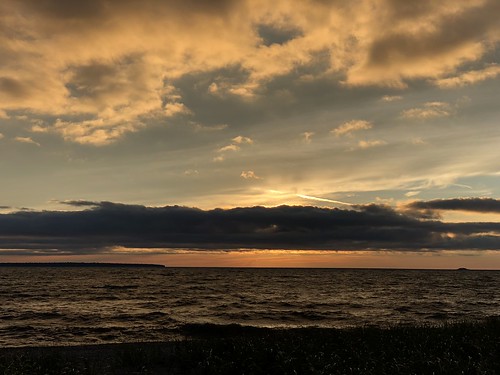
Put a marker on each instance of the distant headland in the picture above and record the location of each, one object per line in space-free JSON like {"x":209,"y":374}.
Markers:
{"x":82,"y":264}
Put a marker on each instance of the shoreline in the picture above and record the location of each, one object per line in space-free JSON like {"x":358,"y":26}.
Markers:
{"x":472,"y":347}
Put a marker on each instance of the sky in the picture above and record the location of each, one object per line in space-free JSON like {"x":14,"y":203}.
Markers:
{"x":301,"y":133}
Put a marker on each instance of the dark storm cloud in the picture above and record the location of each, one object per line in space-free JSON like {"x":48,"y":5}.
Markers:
{"x":486,"y":205}
{"x":107,"y":224}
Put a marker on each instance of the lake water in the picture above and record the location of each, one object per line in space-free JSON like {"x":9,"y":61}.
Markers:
{"x":70,"y":306}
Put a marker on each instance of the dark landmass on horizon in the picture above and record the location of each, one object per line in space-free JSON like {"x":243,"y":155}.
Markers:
{"x":152,"y":265}
{"x":82,"y":264}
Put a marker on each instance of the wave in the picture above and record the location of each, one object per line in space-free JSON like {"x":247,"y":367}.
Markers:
{"x":95,"y":305}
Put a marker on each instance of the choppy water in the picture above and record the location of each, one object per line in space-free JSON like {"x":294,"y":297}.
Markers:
{"x":49,"y":306}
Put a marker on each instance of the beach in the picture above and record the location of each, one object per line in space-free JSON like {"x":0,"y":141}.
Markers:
{"x":468,"y":348}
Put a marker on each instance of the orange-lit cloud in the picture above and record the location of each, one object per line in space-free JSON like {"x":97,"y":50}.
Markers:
{"x":236,"y":145}
{"x":102,"y":69}
{"x":250,"y":175}
{"x":428,"y":110}
{"x":469,"y":77}
{"x":349,"y":127}
{"x":230,"y":147}
{"x":26,"y":140}
{"x":242,"y":140}
{"x":371,"y":143}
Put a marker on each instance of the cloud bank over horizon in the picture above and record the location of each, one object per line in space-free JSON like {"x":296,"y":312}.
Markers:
{"x":484,"y":205}
{"x":102,"y":227}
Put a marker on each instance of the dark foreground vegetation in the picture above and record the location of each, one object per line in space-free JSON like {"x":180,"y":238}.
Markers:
{"x":465,"y":348}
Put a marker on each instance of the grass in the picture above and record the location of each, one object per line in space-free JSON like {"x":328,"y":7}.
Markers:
{"x":462,"y":348}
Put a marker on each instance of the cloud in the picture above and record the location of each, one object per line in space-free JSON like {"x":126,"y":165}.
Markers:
{"x":242,"y":140}
{"x":101,"y":226}
{"x":277,"y":34}
{"x":412,"y":193}
{"x":175,"y":109}
{"x":418,"y":141}
{"x":39,"y":129}
{"x":82,"y":203}
{"x":484,"y":205}
{"x":211,"y":128}
{"x":349,"y":127}
{"x":191,"y":172}
{"x":26,"y":140}
{"x":96,"y":132}
{"x":230,"y":147}
{"x":423,"y":41}
{"x":249,"y":175}
{"x":105,"y":67}
{"x":307,"y":137}
{"x":391,"y":98}
{"x":235,"y":146}
{"x":428,"y":111}
{"x":372,"y":143}
{"x":319,"y":199}
{"x":469,"y":77}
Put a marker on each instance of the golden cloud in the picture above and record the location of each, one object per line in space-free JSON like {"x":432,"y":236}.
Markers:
{"x":240,"y":140}
{"x":470,"y":77}
{"x":428,"y":110}
{"x":349,"y":127}
{"x":371,"y":143}
{"x":103,"y":67}
{"x":26,"y":140}
{"x":249,"y":175}
{"x":230,"y":147}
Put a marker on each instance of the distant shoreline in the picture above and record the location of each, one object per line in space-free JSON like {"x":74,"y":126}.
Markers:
{"x":152,"y":265}
{"x":81,"y":265}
